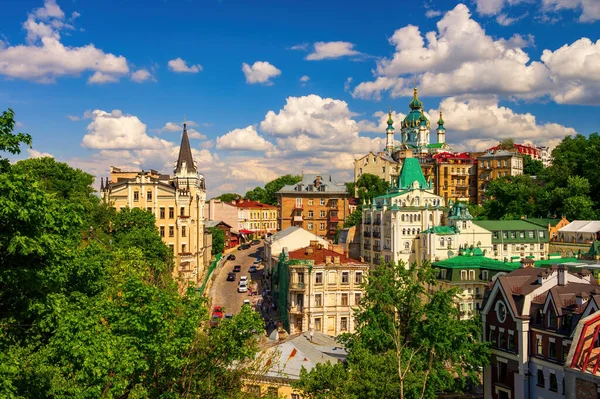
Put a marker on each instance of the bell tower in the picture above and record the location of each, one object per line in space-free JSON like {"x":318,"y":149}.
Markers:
{"x":389,"y":144}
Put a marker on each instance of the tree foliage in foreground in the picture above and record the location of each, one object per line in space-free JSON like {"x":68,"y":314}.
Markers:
{"x":409,"y":342}
{"x":98,"y":315}
{"x":218,"y":240}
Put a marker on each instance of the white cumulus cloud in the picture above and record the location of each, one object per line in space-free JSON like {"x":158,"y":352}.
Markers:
{"x":179,"y":65}
{"x":141,"y":75}
{"x":260,"y":72}
{"x":329,"y":50}
{"x":246,"y":139}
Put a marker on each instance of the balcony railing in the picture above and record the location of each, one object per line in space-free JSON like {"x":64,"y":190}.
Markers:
{"x":377,"y":234}
{"x":296,"y":309}
{"x":298,"y":218}
{"x":297,"y":286}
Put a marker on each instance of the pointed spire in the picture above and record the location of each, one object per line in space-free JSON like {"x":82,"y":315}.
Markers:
{"x":390,"y":121}
{"x":185,"y":153}
{"x":102,"y":184}
{"x":441,"y":121}
{"x":415,"y":103}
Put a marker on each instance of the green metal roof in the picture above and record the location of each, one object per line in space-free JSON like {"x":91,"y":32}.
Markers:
{"x":476,"y":262}
{"x":494,"y":225}
{"x":544,"y":222}
{"x":442,"y":230}
{"x":549,"y":262}
{"x":436,"y":145}
{"x":411,"y":172}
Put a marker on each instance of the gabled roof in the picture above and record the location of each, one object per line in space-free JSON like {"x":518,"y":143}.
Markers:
{"x":291,"y":230}
{"x":476,"y":262}
{"x":246,"y":203}
{"x":544,"y":222}
{"x":318,"y":255}
{"x":440,"y":230}
{"x":214,"y":223}
{"x":318,"y":183}
{"x":185,"y":154}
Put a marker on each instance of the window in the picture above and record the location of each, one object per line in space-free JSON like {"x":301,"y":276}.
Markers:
{"x":162,"y":231}
{"x":521,"y":234}
{"x":171,"y":231}
{"x":540,"y":379}
{"x":513,"y":234}
{"x":406,"y":245}
{"x":484,"y":275}
{"x":502,"y":340}
{"x":471,"y":274}
{"x":345,"y":277}
{"x":539,"y":345}
{"x":136,"y":195}
{"x":383,"y":169}
{"x":301,"y":277}
{"x":321,"y":226}
{"x":344,"y":324}
{"x":310,"y":226}
{"x":504,"y":234}
{"x":495,"y":234}
{"x":552,"y":349}
{"x":491,"y":337}
{"x":172,"y":247}
{"x":505,"y":247}
{"x":463,"y":274}
{"x":511,"y":341}
{"x":311,"y":214}
{"x":171,"y":212}
{"x":149,"y":196}
{"x":358,"y":278}
{"x":149,"y":209}
{"x":322,"y":201}
{"x":502,"y":371}
{"x":318,"y":300}
{"x":183,"y":231}
{"x":182,"y":211}
{"x":310,"y":202}
{"x":541,"y":246}
{"x":565,"y":352}
{"x":530,"y":234}
{"x":442,"y":241}
{"x":344,"y":299}
{"x":298,"y":202}
{"x":322,"y":214}
{"x":319,"y":278}
{"x":553,"y":382}
{"x":183,"y":248}
{"x":273,"y":392}
{"x":540,"y":234}
{"x":318,"y":323}
{"x":295,"y":396}
{"x":162,"y":213}
{"x":357,"y":298}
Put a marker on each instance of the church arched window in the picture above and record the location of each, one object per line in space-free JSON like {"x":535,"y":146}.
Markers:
{"x":402,"y":217}
{"x":406,"y":245}
{"x":442,"y":241}
{"x":403,"y":232}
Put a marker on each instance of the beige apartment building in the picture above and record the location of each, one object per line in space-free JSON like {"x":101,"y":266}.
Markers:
{"x":315,"y":204}
{"x":254,"y":217}
{"x":494,"y":165}
{"x":177,"y":203}
{"x":380,"y":164}
{"x":324,"y":286}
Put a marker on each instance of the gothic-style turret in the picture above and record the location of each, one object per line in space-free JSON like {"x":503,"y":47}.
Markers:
{"x":185,"y":161}
{"x":389,"y":146}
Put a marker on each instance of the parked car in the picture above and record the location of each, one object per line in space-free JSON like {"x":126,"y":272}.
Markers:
{"x":252,"y":269}
{"x":231,"y":257}
{"x":255,"y":242}
{"x":231,"y":276}
{"x":244,"y":246}
{"x":247,"y":302}
{"x":229,"y":316}
{"x":244,"y":279}
{"x":217,"y":316}
{"x":242,"y":287}
{"x":237,"y":268}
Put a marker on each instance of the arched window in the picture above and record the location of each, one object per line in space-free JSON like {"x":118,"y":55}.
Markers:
{"x":403,"y":217}
{"x":417,"y":201}
{"x":411,"y":218}
{"x":431,"y":217}
{"x":413,"y":231}
{"x":442,"y":241}
{"x":403,"y":232}
{"x":419,"y":217}
{"x":418,"y":231}
{"x":406,"y":245}
{"x":449,"y":241}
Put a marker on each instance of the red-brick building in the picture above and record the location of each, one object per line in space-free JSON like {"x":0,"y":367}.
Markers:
{"x":528,"y":317}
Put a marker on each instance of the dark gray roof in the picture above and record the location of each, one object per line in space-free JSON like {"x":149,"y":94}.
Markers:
{"x":309,"y":184}
{"x":214,"y":223}
{"x":185,"y":153}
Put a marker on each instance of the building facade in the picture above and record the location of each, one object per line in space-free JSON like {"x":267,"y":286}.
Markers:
{"x":380,"y":164}
{"x":292,"y":238}
{"x":513,"y":240}
{"x":493,"y":165}
{"x":230,"y":240}
{"x":177,"y":203}
{"x":315,"y":204}
{"x":216,"y":209}
{"x":456,"y":176}
{"x":322,"y":287}
{"x":528,"y":318}
{"x":392,"y":223}
{"x":256,"y":217}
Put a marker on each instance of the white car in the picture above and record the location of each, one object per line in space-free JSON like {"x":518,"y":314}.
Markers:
{"x":242,"y":287}
{"x":244,"y":279}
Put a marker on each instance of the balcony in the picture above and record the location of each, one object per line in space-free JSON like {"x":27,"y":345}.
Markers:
{"x":297,"y":218}
{"x":297,"y":286}
{"x":368,"y":221}
{"x":296,"y":309}
{"x":377,"y":234}
{"x":333,"y":218}
{"x":377,"y":248}
{"x":185,"y":254}
{"x":378,"y":221}
{"x":367,"y":234}
{"x":367,"y":246}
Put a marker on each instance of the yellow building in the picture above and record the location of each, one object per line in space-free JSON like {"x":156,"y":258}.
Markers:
{"x":256,"y":217}
{"x":177,"y":203}
{"x":492,"y":166}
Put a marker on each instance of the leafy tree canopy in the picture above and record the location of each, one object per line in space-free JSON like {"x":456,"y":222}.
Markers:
{"x":218,"y":240}
{"x":228,"y":197}
{"x":267,"y":194}
{"x":532,"y":167}
{"x":9,"y":141}
{"x":506,"y":144}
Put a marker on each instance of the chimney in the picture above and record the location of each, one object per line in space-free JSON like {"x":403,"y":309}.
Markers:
{"x":581,"y":298}
{"x":328,"y":260}
{"x":336,"y":260}
{"x":314,"y":243}
{"x":337,"y":248}
{"x":562,"y":278}
{"x":309,"y":250}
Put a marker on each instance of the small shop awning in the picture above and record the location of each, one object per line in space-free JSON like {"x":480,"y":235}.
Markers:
{"x":246,"y":231}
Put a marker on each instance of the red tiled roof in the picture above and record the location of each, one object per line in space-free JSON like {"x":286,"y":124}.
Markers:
{"x":319,"y":254}
{"x":251,"y":204}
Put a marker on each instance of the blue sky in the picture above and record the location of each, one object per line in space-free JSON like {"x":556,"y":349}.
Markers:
{"x":108,"y":83}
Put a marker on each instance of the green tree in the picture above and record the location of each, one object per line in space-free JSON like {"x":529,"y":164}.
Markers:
{"x":218,"y":240}
{"x":409,"y":342}
{"x":354,"y":219}
{"x":506,"y":144}
{"x":532,"y":167}
{"x":370,"y":186}
{"x":256,"y":194}
{"x":228,"y":197}
{"x":573,"y":201}
{"x":9,"y":141}
{"x":275,"y":185}
{"x":511,"y":197}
